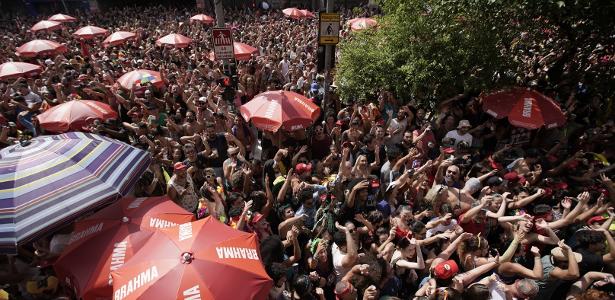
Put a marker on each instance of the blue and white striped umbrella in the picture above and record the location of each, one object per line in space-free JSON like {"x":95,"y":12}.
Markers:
{"x":54,"y":179}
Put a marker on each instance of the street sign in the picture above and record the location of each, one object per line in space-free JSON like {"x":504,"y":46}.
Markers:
{"x":223,"y":43}
{"x":329,"y":32}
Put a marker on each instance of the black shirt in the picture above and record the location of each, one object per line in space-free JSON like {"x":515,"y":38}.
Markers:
{"x":218,"y":143}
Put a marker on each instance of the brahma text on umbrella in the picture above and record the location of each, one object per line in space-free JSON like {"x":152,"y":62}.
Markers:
{"x":136,"y":203}
{"x":160,"y":223}
{"x":119,"y":255}
{"x":308,"y":107}
{"x":84,"y":233}
{"x":236,"y":252}
{"x":527,"y":107}
{"x":185,"y":231}
{"x":138,"y":281}
{"x":193,"y":293}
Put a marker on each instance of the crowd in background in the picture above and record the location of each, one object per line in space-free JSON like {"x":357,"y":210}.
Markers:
{"x":379,"y":199}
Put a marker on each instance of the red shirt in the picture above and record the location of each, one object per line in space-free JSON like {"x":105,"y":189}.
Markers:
{"x":471,"y":226}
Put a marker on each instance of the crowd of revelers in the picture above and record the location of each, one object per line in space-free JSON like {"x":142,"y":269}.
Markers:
{"x":379,"y":199}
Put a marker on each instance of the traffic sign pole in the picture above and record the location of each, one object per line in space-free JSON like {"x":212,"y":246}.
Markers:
{"x":328,"y":55}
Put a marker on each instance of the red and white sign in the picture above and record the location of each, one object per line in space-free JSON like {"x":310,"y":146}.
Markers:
{"x":223,"y":43}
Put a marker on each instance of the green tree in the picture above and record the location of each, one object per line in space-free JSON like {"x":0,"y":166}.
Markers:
{"x":431,"y":49}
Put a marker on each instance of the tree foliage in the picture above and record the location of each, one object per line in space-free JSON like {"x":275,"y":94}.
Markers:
{"x":431,"y":49}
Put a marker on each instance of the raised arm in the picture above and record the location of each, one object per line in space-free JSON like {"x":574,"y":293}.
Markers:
{"x":351,"y":247}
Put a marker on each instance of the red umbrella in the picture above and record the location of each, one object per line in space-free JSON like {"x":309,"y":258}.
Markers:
{"x":118,"y":38}
{"x":140,"y":77}
{"x":90,"y":32}
{"x":205,"y":19}
{"x":201,"y":260}
{"x":18,"y":69}
{"x":62,"y":18}
{"x":295,"y":13}
{"x":40,"y":48}
{"x":242,"y":52}
{"x":362,"y":23}
{"x":275,"y":109}
{"x":175,"y":40}
{"x":46,"y":25}
{"x":107,"y":239}
{"x":75,"y":115}
{"x":524,"y":108}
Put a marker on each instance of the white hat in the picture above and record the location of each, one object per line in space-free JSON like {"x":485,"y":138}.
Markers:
{"x":464,"y":123}
{"x":49,"y":62}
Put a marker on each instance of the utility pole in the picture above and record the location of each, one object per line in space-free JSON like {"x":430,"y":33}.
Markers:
{"x":328,"y":54}
{"x":219,"y":9}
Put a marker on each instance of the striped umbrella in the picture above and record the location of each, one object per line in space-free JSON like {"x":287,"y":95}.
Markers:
{"x":55,"y":179}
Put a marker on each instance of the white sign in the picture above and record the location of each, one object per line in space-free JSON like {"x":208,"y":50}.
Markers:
{"x":223,"y":43}
{"x":329,"y":33}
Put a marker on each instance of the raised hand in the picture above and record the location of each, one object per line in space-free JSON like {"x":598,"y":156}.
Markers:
{"x":535,"y":251}
{"x":566,"y":203}
{"x":583,"y":197}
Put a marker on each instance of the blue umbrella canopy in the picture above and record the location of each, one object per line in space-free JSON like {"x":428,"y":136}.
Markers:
{"x":54,"y":179}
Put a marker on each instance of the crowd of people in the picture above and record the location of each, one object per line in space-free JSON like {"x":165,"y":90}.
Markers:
{"x":379,"y":199}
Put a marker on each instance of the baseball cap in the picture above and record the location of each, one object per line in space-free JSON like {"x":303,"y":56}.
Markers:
{"x":464,"y":123}
{"x":178,"y":166}
{"x":494,"y":181}
{"x":384,"y":207}
{"x":448,"y":150}
{"x":314,"y":87}
{"x":596,"y":219}
{"x":257,"y":217}
{"x":303,"y":168}
{"x":446,"y":270}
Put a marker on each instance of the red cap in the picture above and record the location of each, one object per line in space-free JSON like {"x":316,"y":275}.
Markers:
{"x":446,"y":269}
{"x":449,"y":150}
{"x":303,"y":168}
{"x":511,"y":176}
{"x":596,"y":219}
{"x":178,"y":166}
{"x":257,"y":217}
{"x":374,"y":183}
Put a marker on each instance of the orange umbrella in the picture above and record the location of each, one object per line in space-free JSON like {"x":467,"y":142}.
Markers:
{"x":62,"y":18}
{"x":40,"y":48}
{"x":75,"y":115}
{"x":200,"y":260}
{"x":103,"y":242}
{"x":358,"y":24}
{"x":174,"y":40}
{"x":242,"y":51}
{"x":90,"y":32}
{"x":274,"y":109}
{"x":139,"y":78}
{"x":46,"y":25}
{"x":205,"y":19}
{"x":18,"y":69}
